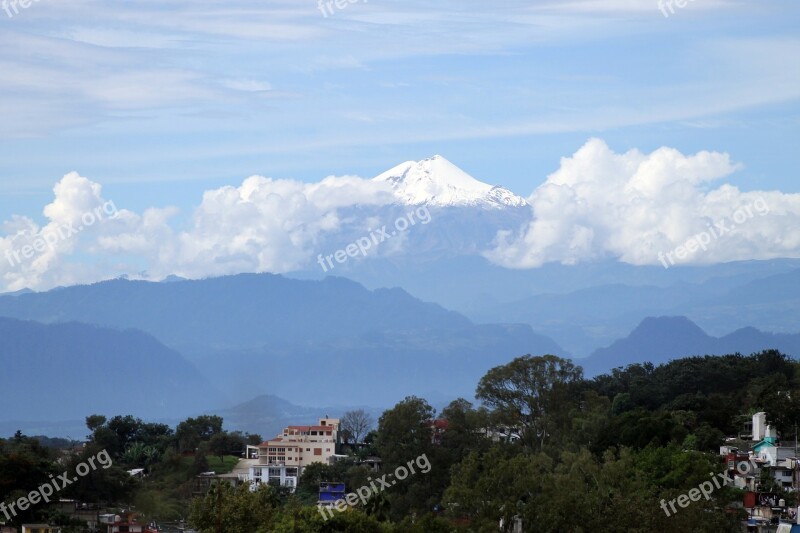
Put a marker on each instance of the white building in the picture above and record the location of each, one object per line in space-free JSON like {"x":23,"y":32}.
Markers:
{"x":759,"y":426}
{"x":282,"y":459}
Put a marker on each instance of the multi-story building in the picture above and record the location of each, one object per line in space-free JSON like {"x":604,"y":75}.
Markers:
{"x":281,"y":460}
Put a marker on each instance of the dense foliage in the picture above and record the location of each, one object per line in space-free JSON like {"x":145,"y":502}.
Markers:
{"x":547,"y":446}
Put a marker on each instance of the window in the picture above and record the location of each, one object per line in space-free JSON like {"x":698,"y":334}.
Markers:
{"x":317,"y":451}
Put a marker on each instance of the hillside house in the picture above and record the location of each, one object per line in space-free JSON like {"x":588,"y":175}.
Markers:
{"x":281,"y":460}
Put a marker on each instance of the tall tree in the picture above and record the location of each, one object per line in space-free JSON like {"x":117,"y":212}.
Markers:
{"x":530,"y":392}
{"x":404,"y":434}
{"x":356,"y":424}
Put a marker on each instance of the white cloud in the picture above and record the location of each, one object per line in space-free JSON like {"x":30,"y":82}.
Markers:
{"x":262,"y":225}
{"x":599,"y":204}
{"x":631,"y":206}
{"x":35,"y":256}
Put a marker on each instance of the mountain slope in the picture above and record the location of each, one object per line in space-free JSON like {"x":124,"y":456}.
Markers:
{"x":718,"y":298}
{"x":67,"y":371}
{"x":243,"y":311}
{"x":661,"y":339}
{"x":303,"y":340}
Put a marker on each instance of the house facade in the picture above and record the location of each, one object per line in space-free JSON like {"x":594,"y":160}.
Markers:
{"x":281,"y":460}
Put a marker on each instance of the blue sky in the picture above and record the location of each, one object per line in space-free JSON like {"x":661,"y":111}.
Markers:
{"x":159,"y":101}
{"x":167,"y":108}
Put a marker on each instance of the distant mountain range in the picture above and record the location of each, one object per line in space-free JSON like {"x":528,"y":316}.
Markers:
{"x":580,"y":306}
{"x":659,"y":340}
{"x":243,"y":311}
{"x":328,"y":342}
{"x":339,"y":337}
{"x":764,"y":295}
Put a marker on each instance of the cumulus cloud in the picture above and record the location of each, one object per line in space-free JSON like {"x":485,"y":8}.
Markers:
{"x":265,"y":224}
{"x":262,"y":225}
{"x":633,"y":207}
{"x":34,"y":255}
{"x":600,"y":204}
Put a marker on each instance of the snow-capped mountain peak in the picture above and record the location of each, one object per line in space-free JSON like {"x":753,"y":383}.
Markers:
{"x":438,"y":182}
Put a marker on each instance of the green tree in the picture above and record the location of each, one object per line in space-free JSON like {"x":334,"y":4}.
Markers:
{"x":192,"y":431}
{"x":199,"y":464}
{"x":496,"y":485}
{"x":223,"y":443}
{"x":404,"y":434}
{"x":532,"y":393}
{"x":238,"y":510}
{"x":24,"y":466}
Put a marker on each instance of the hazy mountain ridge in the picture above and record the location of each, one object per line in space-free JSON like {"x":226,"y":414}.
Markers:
{"x":92,"y":369}
{"x":247,"y":310}
{"x":254,"y":334}
{"x":660,"y":339}
{"x":585,"y":318}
